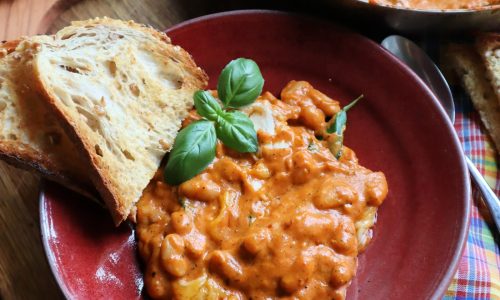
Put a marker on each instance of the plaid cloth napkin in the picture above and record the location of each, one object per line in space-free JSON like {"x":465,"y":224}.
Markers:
{"x":478,"y":274}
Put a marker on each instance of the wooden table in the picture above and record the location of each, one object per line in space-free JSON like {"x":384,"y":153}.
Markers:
{"x":24,"y":272}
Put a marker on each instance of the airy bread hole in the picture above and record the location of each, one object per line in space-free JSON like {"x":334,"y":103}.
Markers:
{"x":13,"y":137}
{"x":115,"y":36}
{"x":112,"y":67}
{"x":89,"y":119}
{"x":70,"y":69}
{"x":100,"y":111}
{"x":134,"y":89}
{"x":164,"y":145}
{"x":78,"y":100}
{"x":98,"y":150}
{"x":128,"y":155}
{"x":3,"y":105}
{"x":174,"y":80}
{"x":67,"y":36}
{"x":179,"y":83}
{"x":113,"y":148}
{"x":87,"y":34}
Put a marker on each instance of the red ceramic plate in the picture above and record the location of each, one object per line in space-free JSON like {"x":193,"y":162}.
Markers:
{"x":398,"y":128}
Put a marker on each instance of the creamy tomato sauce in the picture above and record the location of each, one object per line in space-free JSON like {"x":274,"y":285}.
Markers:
{"x":288,"y":221}
{"x":438,"y":4}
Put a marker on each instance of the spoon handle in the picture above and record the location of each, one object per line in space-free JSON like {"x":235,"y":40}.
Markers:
{"x":487,"y":193}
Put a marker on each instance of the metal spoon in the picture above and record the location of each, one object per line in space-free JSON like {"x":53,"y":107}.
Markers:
{"x":415,"y":58}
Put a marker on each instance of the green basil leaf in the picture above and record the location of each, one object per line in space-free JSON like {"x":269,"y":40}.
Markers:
{"x":251,"y":219}
{"x":240,"y":83}
{"x":338,"y":127}
{"x":348,"y":106}
{"x":340,"y":119}
{"x":193,"y":151}
{"x":236,"y":131}
{"x":206,"y":105}
{"x":312,"y":147}
{"x":339,"y":123}
{"x":182,"y":202}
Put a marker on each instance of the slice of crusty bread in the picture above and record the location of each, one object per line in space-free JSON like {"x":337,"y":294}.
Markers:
{"x":30,"y":137}
{"x":468,"y":66}
{"x":488,"y":46}
{"x":122,"y":90}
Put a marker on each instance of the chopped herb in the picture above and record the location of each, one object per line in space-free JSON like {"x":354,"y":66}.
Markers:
{"x":182,"y":202}
{"x":338,"y":127}
{"x":313,"y":147}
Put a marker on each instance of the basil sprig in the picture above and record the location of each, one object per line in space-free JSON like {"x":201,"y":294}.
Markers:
{"x":240,"y":83}
{"x":338,"y":127}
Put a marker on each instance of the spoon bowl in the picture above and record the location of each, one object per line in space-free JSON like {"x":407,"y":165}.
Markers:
{"x":415,"y":58}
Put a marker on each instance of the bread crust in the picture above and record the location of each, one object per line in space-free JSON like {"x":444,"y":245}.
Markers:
{"x":200,"y":78}
{"x":20,"y":145}
{"x":103,"y":172}
{"x":488,"y":46}
{"x":31,"y":160}
{"x":467,"y":64}
{"x":99,"y":179}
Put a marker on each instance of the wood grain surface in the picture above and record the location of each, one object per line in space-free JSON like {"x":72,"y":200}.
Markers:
{"x":22,"y":17}
{"x":24,"y":272}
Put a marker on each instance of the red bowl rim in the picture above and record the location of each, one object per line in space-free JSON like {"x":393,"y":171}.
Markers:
{"x":445,"y":282}
{"x":44,"y":232}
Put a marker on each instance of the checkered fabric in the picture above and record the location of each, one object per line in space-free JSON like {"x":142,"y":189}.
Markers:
{"x":478,"y":274}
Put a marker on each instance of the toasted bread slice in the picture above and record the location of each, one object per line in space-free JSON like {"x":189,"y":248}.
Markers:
{"x":468,"y":66}
{"x":488,"y":46}
{"x":30,"y":136}
{"x":122,"y":90}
